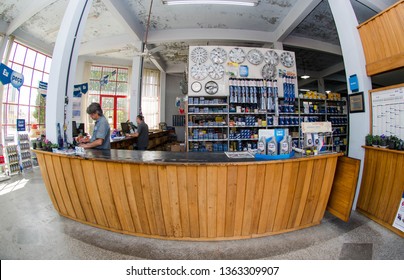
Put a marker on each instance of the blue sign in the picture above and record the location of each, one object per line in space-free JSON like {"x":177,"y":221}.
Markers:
{"x":80,"y":89}
{"x":20,"y":124}
{"x":43,"y":88}
{"x":7,"y":75}
{"x":353,"y":83}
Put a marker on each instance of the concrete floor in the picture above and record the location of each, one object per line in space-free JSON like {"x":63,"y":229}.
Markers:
{"x":30,"y":228}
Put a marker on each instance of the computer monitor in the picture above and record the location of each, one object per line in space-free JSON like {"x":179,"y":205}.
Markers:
{"x":125,"y":127}
{"x":77,"y":130}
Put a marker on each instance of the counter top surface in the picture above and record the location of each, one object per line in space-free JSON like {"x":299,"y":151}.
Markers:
{"x":159,"y":157}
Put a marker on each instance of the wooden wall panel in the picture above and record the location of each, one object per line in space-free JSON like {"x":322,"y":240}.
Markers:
{"x":115,"y":171}
{"x":383,"y":40}
{"x":130,"y":193}
{"x":55,"y":185}
{"x":45,"y":177}
{"x":382,"y":186}
{"x":198,"y":202}
{"x":211,"y":194}
{"x":221,"y":200}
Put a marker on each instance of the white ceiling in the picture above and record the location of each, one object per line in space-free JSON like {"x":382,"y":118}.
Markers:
{"x":114,"y":28}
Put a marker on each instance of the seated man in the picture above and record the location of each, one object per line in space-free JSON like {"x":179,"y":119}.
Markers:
{"x":142,"y":133}
{"x":101,"y":135}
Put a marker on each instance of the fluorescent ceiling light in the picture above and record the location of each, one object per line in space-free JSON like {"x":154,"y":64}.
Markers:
{"x":305,"y":77}
{"x":250,"y":3}
{"x":303,"y":89}
{"x":327,"y":91}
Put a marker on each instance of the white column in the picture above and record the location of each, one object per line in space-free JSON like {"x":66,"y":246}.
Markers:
{"x":64,"y":61}
{"x":163,"y":78}
{"x":7,"y":43}
{"x":134,"y":103}
{"x":3,"y":45}
{"x":355,"y":63}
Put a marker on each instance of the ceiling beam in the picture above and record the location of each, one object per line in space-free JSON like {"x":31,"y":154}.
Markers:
{"x":332,"y":70}
{"x":336,"y":78}
{"x":27,"y":13}
{"x":158,"y":64}
{"x":198,"y":34}
{"x":376,"y":5}
{"x":3,"y":27}
{"x":295,"y":16}
{"x":302,"y":83}
{"x":33,"y":42}
{"x":106,"y":43}
{"x":306,"y":43}
{"x":124,"y":16}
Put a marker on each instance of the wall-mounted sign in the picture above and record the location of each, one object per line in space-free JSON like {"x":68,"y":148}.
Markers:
{"x":80,"y":89}
{"x":43,"y":88}
{"x":356,"y":103}
{"x":20,"y":124}
{"x":353,"y":83}
{"x":7,"y":75}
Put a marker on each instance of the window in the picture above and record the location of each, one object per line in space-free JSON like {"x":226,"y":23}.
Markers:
{"x":27,"y":103}
{"x":151,"y":97}
{"x":111,"y":93}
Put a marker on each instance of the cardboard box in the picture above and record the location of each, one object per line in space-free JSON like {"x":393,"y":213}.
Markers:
{"x":175,"y":148}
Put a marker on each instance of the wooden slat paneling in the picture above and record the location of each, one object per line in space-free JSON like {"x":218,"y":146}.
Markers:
{"x":115,"y":171}
{"x":183,"y":198}
{"x":203,"y":202}
{"x":165,"y":199}
{"x":45,"y":176}
{"x":240,"y":199}
{"x":314,"y":192}
{"x":249,"y":199}
{"x":105,"y":192}
{"x":54,"y":183}
{"x":154,"y":181}
{"x":258,"y":199}
{"x":344,"y":188}
{"x":192,"y":187}
{"x":231,"y":198}
{"x":383,"y":40}
{"x":130,"y":193}
{"x":211,"y":191}
{"x":139,"y":197}
{"x":81,"y":188}
{"x":72,"y":189}
{"x":174,"y":200}
{"x":221,"y":200}
{"x":93,"y":194}
{"x":147,"y":198}
{"x":380,"y":193}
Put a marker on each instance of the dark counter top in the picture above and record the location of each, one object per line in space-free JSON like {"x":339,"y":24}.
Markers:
{"x":159,"y":157}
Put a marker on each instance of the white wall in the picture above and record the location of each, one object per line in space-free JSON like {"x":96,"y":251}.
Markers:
{"x":173,"y":91}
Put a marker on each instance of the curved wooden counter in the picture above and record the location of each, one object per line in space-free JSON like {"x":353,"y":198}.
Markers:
{"x":158,"y":194}
{"x":382,"y":186}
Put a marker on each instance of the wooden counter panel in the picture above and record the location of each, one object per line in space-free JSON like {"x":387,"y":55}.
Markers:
{"x":192,"y":202}
{"x":382,"y":185}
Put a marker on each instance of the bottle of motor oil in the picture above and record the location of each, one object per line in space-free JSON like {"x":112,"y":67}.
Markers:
{"x":272,"y":146}
{"x":284,"y":146}
{"x":261,"y":146}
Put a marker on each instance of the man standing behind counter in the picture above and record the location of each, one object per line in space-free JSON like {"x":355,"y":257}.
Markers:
{"x":100,"y":139}
{"x":142,"y":133}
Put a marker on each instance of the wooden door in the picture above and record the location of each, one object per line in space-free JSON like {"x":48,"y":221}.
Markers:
{"x":344,"y":188}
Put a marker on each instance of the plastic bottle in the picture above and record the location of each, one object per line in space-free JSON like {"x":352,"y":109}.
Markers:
{"x":284,"y":146}
{"x":261,"y":147}
{"x":272,"y":146}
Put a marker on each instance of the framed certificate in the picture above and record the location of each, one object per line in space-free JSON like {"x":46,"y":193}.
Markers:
{"x":356,"y":103}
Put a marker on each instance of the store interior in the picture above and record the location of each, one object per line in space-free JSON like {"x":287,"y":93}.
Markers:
{"x":148,"y":57}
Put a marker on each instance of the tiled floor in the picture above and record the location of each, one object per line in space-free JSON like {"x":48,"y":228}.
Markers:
{"x":30,"y":228}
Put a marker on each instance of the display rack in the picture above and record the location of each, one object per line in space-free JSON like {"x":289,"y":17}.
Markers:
{"x":239,"y":122}
{"x":12,"y":160}
{"x":24,"y":150}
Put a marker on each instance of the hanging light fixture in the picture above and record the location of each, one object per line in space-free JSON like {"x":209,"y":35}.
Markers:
{"x":250,"y":3}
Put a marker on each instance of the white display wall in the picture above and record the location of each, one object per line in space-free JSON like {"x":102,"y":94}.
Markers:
{"x":217,"y":64}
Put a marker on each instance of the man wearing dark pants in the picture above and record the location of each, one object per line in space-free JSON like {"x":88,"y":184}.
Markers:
{"x":142,"y":133}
